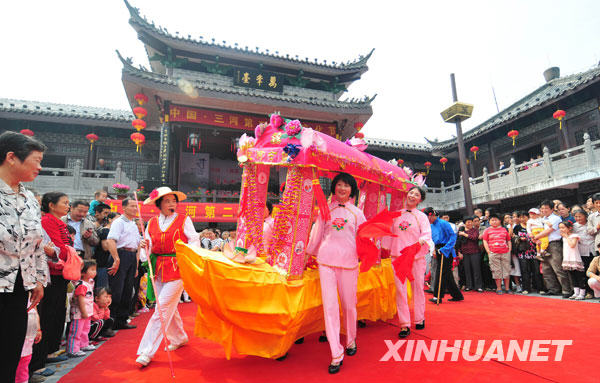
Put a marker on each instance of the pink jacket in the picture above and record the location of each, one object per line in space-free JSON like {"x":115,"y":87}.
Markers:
{"x":334,"y":241}
{"x":410,"y":227}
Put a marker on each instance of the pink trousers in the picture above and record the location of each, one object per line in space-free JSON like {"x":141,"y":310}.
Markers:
{"x":418,"y":295}
{"x":336,"y":280}
{"x":23,"y":369}
{"x":78,"y":335}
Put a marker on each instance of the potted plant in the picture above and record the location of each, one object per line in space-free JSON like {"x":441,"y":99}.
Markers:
{"x":141,"y":193}
{"x":121,"y":190}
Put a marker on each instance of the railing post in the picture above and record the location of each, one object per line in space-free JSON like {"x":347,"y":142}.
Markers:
{"x":513,"y":171}
{"x":118,"y":173}
{"x":589,"y":152}
{"x":76,"y":175}
{"x":486,"y":179}
{"x":548,"y":162}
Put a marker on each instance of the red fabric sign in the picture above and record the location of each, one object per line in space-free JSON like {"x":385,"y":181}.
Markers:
{"x":179,"y":113}
{"x":198,"y":212}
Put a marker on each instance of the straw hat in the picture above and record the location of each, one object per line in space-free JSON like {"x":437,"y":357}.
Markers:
{"x":161,"y":192}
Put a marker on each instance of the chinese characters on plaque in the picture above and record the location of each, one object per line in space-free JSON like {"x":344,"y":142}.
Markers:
{"x":258,"y":79}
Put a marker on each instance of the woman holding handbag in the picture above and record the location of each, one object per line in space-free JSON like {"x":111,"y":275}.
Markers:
{"x":52,"y":309}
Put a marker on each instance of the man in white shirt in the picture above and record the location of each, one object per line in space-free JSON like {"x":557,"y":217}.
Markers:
{"x":124,"y":241}
{"x":556,"y":279}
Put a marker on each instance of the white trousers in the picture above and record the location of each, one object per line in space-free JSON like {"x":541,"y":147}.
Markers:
{"x":335,"y":280}
{"x":418,"y":295}
{"x":168,"y":295}
{"x":594,"y":285}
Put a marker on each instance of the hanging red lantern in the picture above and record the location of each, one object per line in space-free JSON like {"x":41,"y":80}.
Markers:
{"x":427,"y":166}
{"x":443,"y":161}
{"x":27,"y":132}
{"x":140,"y":112}
{"x":559,"y":115}
{"x":400,"y":162}
{"x":138,"y":124}
{"x":91,"y":138}
{"x":474,"y":150}
{"x":358,"y":126}
{"x":194,"y":140}
{"x":513,"y":134}
{"x":138,"y":139}
{"x":141,"y":98}
{"x":359,"y":135}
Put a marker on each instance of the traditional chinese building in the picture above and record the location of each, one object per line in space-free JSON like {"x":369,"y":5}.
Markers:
{"x":203,"y":95}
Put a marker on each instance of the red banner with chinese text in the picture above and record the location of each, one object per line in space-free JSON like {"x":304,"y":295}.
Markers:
{"x":198,"y":212}
{"x":179,"y":113}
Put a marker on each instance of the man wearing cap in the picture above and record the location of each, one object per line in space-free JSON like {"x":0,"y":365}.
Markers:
{"x":162,"y":233}
{"x":444,"y":239}
{"x":123,"y":243}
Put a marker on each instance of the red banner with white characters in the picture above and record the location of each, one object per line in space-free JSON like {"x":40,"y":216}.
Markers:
{"x":179,"y":113}
{"x":198,"y":212}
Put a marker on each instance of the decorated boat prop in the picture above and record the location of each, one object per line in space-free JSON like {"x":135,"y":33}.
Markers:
{"x":258,"y":299}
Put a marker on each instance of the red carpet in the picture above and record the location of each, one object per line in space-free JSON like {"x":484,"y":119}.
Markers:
{"x":480,"y":317}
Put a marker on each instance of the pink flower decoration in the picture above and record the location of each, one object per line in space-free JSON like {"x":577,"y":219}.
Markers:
{"x":276,"y":120}
{"x":154,"y":194}
{"x":293,"y":127}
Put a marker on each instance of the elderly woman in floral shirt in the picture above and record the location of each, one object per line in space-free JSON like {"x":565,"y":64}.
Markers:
{"x":23,"y":268}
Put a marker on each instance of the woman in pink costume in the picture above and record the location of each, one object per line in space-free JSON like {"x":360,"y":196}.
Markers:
{"x":334,"y":243}
{"x":411,"y":227}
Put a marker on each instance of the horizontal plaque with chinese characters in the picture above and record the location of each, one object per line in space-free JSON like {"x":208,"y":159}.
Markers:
{"x":258,"y":79}
{"x":197,"y":211}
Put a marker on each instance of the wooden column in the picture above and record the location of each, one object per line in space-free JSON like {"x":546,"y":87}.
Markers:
{"x":494,"y":162}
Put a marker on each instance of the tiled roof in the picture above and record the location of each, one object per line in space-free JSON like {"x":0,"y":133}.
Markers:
{"x":354,"y":66}
{"x":401,"y":145}
{"x":204,"y":86}
{"x":50,"y":109}
{"x":544,"y":95}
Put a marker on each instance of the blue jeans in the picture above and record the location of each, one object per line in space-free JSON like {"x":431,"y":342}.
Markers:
{"x":101,"y":277}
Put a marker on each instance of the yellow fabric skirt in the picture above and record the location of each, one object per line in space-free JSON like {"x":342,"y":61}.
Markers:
{"x":254,"y":310}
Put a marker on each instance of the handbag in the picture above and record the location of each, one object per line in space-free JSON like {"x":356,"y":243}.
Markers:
{"x":72,"y":266}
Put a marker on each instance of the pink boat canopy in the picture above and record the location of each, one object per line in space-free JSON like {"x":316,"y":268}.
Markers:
{"x":289,"y":144}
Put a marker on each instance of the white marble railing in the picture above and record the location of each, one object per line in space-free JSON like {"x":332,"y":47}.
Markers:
{"x":79,"y":183}
{"x":561,"y":169}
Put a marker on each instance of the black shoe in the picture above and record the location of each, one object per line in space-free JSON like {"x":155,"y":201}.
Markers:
{"x":323,"y":338}
{"x":434,"y":300}
{"x":456,"y":299}
{"x":566,"y":296}
{"x":479,"y":290}
{"x":334,"y":369}
{"x":404,"y":333}
{"x":299,"y":341}
{"x":124,"y":326}
{"x":282,"y":357}
{"x":361,"y":323}
{"x":429,"y":291}
{"x":351,"y":351}
{"x":420,"y":326}
{"x":108,"y":333}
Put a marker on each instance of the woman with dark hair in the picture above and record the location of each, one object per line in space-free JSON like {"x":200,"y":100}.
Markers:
{"x":162,"y":232}
{"x":23,"y":269}
{"x":53,"y":307}
{"x":410,"y":228}
{"x":334,"y":244}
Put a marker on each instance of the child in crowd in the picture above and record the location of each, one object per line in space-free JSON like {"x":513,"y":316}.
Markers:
{"x":99,"y":197}
{"x":33,"y":335}
{"x":496,"y":241}
{"x":82,"y":308}
{"x":534,"y":227}
{"x":572,"y":260}
{"x":526,"y":251}
{"x":585,"y":244}
{"x":101,"y":323}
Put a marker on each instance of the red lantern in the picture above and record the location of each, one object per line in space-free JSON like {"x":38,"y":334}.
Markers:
{"x":138,"y":124}
{"x":141,"y":98}
{"x":138,"y":139}
{"x":443,"y":161}
{"x":194,"y":140}
{"x":400,"y":162}
{"x":27,"y":132}
{"x":513,"y":134}
{"x":140,"y":112}
{"x":559,"y":115}
{"x":359,"y":135}
{"x":474,"y":150}
{"x":427,"y":166}
{"x":358,"y":126}
{"x":92,"y":138}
